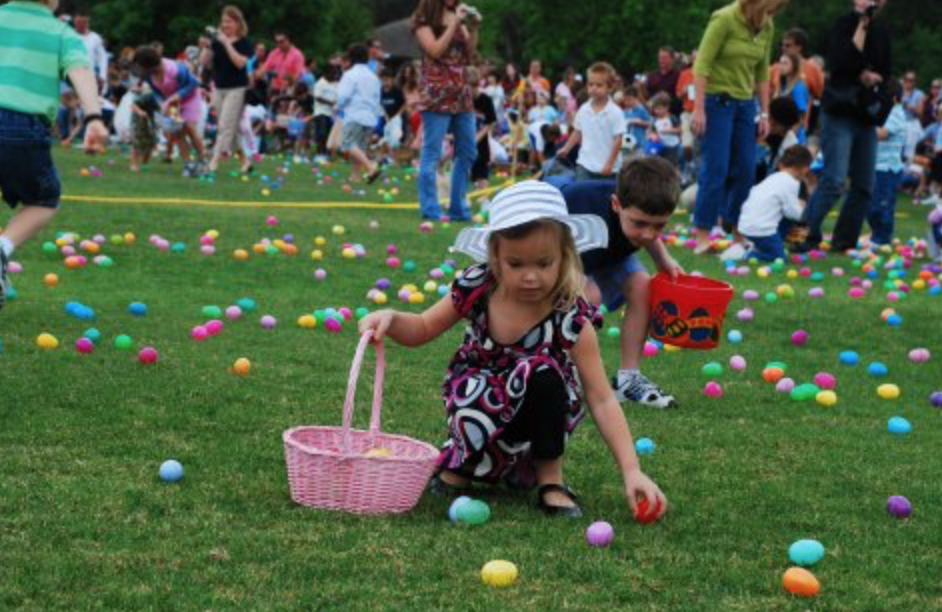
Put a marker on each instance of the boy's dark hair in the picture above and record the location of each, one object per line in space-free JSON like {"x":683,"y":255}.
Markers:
{"x":146,"y":59}
{"x":661,"y":100}
{"x":799,"y":37}
{"x":387,"y":73}
{"x":632,"y":90}
{"x":784,"y":111}
{"x":796,"y":156}
{"x":650,"y":184}
{"x":358,"y":54}
{"x":894,"y":89}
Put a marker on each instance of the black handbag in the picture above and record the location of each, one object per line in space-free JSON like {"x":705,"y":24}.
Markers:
{"x":872,"y":105}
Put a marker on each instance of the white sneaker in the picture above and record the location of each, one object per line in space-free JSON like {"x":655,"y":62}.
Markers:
{"x":932,"y":200}
{"x":735,"y":252}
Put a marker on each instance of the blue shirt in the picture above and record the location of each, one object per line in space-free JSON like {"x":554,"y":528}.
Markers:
{"x":358,"y":96}
{"x":802,"y":99}
{"x":890,"y":151}
{"x":640,"y":133}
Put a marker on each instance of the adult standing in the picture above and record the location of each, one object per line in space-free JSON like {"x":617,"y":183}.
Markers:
{"x":229,"y":55}
{"x":859,"y":61}
{"x":732,"y":67}
{"x":447,"y":35}
{"x":795,"y":41}
{"x":664,"y":79}
{"x":284,"y":65}
{"x":97,"y":54}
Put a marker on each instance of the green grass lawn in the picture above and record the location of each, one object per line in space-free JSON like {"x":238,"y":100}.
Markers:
{"x":86,"y":524}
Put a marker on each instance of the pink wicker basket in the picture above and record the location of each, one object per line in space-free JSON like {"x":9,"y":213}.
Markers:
{"x":364,"y":472}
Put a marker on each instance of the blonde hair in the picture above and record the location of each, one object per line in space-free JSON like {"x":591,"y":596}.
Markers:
{"x":604,"y":69}
{"x":235,"y":13}
{"x":570,"y":282}
{"x":758,"y":12}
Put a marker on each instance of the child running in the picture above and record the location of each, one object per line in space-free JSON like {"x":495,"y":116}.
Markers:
{"x":512,"y":392}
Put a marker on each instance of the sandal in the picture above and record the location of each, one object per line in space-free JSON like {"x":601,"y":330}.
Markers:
{"x":440,"y":488}
{"x":373,"y":176}
{"x":573,"y":511}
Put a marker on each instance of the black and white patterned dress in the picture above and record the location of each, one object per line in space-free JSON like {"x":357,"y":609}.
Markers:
{"x":487,"y":381}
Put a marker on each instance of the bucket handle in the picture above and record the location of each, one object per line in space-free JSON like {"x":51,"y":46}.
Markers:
{"x":348,"y":405}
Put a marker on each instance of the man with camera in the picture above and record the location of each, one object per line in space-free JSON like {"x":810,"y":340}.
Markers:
{"x":855,"y":103}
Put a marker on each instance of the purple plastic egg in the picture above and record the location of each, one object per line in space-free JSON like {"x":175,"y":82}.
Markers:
{"x":800,"y":338}
{"x":899,"y":507}
{"x":745,"y":315}
{"x":600,"y":534}
{"x":383,"y":284}
{"x":936,"y":399}
{"x":269,"y":322}
{"x":333,"y":325}
{"x":816,"y":292}
{"x":737,"y":362}
{"x":750,"y":295}
{"x":785,"y":385}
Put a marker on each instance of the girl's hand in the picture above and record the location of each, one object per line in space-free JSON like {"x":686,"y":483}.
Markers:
{"x":670,"y":266}
{"x":379,"y":322}
{"x":698,"y":124}
{"x":638,"y":486}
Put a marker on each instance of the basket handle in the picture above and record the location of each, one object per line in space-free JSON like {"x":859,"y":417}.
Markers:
{"x":348,"y":405}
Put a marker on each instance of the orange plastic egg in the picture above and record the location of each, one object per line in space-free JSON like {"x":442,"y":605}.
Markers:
{"x":801,"y":582}
{"x":772,"y":375}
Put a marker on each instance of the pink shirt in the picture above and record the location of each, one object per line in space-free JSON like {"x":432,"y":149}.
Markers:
{"x":290,"y":64}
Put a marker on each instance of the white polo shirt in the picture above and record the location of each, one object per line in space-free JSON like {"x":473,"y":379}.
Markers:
{"x":599,"y":131}
{"x":769,"y":201}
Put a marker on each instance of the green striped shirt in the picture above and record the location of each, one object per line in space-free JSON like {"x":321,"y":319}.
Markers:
{"x":36,"y":52}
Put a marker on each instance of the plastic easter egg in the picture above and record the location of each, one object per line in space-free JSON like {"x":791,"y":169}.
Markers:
{"x":737,"y":363}
{"x":320,"y":274}
{"x":171,"y":471}
{"x":888,"y":392}
{"x":214,"y":327}
{"x":745,"y":315}
{"x":645,"y":514}
{"x":268,"y":322}
{"x":919,"y":355}
{"x":645,"y":446}
{"x":47,"y":341}
{"x":307,"y":322}
{"x":416,"y":298}
{"x":785,"y":385}
{"x":734,"y":336}
{"x":212,"y":312}
{"x":199,"y":333}
{"x":240,"y":255}
{"x":713,"y":389}
{"x":899,"y":506}
{"x":935,"y":398}
{"x":877,"y":369}
{"x":800,"y":338}
{"x":123,"y":342}
{"x":348,"y":253}
{"x":241,"y":367}
{"x":338,"y":230}
{"x":806,"y":552}
{"x":333,"y":326}
{"x":409,"y":266}
{"x":805,"y":392}
{"x":816,"y":293}
{"x":771,"y":297}
{"x":772,"y":374}
{"x":650,"y":349}
{"x":84,"y":346}
{"x":899,"y":426}
{"x":475,"y":512}
{"x":455,"y":505}
{"x":613,"y":332}
{"x":233,"y":313}
{"x":712,"y":370}
{"x":600,"y":534}
{"x":148,"y":355}
{"x":51,"y":280}
{"x":246,"y":304}
{"x":856,"y":293}
{"x":827,"y":399}
{"x":499,"y":573}
{"x":849,"y":358}
{"x":92,"y":334}
{"x":825,"y":381}
{"x":750,"y":295}
{"x":801,"y":582}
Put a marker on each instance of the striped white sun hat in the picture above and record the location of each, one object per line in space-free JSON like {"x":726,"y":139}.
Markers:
{"x":529,"y":201}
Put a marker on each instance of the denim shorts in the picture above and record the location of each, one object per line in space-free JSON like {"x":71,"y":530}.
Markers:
{"x":611,"y":280}
{"x":27,"y":173}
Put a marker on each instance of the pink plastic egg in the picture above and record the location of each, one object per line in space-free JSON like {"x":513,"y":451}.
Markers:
{"x":214,"y":327}
{"x":233,"y":313}
{"x":84,"y":346}
{"x":856,"y":292}
{"x":650,"y":349}
{"x":199,"y":333}
{"x":919,"y":355}
{"x":785,"y":385}
{"x":333,"y":325}
{"x":737,"y":362}
{"x":825,"y":381}
{"x":269,"y":322}
{"x":148,"y":355}
{"x":713,"y":389}
{"x":800,"y":338}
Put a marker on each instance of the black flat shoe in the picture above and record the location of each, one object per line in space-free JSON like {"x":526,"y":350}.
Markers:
{"x":573,"y":511}
{"x":440,"y":488}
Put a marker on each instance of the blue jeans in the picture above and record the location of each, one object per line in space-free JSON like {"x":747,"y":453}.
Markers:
{"x":849,"y":148}
{"x":883,"y":207}
{"x":435,"y":126}
{"x":728,"y":162}
{"x":767,"y":248}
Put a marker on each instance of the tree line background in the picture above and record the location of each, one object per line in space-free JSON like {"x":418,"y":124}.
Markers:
{"x":626,"y":33}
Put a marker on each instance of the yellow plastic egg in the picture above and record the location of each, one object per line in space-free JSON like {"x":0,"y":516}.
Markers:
{"x":919,"y":284}
{"x":258,"y":248}
{"x":348,"y":253}
{"x":266,"y":192}
{"x":826,"y":398}
{"x":279,"y":244}
{"x":792,"y":274}
{"x":51,"y":280}
{"x":338,"y":230}
{"x":762,"y":272}
{"x":379,"y":451}
{"x":410,"y":288}
{"x":307,"y":322}
{"x":430,"y":286}
{"x":130,"y":238}
{"x":320,"y":241}
{"x":47,"y":341}
{"x":214,"y":234}
{"x":499,"y":573}
{"x":381,"y":298}
{"x":670,"y":348}
{"x":240,"y":254}
{"x":785,"y":291}
{"x":888,"y":391}
{"x":417,"y":298}
{"x":317,"y":254}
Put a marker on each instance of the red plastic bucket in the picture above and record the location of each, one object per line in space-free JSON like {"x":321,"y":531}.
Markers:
{"x":688,"y":312}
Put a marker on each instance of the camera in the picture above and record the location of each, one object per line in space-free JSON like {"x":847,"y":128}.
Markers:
{"x":871,"y":11}
{"x":211,"y":31}
{"x":472,"y":13}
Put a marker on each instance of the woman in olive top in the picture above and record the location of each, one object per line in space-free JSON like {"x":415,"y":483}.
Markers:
{"x":732,"y":68}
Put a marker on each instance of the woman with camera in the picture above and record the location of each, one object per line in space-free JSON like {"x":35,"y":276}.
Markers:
{"x":854,"y":105}
{"x":447,"y":33}
{"x":228,"y":56}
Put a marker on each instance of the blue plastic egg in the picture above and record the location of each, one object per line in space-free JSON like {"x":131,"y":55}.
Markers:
{"x":645,"y":446}
{"x":92,"y":334}
{"x":171,"y":470}
{"x":899,"y":426}
{"x":455,"y":505}
{"x":849,"y":358}
{"x":247,"y":304}
{"x":734,"y":336}
{"x":806,"y":552}
{"x":138,"y":309}
{"x":894,"y":320}
{"x":878,"y":369}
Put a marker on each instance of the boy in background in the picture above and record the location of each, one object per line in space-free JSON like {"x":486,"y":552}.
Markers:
{"x":358,"y":99}
{"x":32,"y":36}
